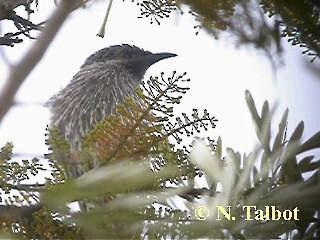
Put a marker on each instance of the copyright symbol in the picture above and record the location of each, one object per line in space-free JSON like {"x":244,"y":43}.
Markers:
{"x":201,"y":213}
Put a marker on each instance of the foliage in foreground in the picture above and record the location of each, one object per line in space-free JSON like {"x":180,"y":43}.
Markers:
{"x":246,"y":20}
{"x":133,"y":190}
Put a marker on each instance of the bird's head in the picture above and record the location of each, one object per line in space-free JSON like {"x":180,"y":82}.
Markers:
{"x":135,"y":59}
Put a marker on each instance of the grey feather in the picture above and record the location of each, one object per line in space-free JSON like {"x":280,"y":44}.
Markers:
{"x":105,"y":79}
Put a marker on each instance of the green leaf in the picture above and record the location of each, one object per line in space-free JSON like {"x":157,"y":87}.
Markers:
{"x":311,"y":143}
{"x":256,"y":176}
{"x":253,"y":110}
{"x":119,"y":178}
{"x":305,"y":165}
{"x":297,"y":133}
{"x":265,"y":131}
{"x":264,"y":165}
{"x":218,"y":151}
{"x":288,"y":154}
{"x":296,"y":194}
{"x":244,"y":178}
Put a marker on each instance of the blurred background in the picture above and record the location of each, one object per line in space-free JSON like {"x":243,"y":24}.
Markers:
{"x":219,"y":71}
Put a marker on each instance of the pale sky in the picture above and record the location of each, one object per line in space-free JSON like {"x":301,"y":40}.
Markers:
{"x":219,"y":72}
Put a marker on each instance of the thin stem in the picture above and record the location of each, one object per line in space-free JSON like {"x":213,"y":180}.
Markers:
{"x":102,"y":30}
{"x":20,"y":71}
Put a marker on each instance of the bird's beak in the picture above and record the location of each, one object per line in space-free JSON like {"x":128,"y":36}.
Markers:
{"x":160,"y":56}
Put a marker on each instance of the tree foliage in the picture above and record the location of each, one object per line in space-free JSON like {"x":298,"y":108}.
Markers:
{"x":131,"y":195}
{"x":137,"y":174}
{"x":247,"y":20}
{"x":299,"y":21}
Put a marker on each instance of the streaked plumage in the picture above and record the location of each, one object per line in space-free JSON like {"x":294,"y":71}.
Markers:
{"x":104,"y":80}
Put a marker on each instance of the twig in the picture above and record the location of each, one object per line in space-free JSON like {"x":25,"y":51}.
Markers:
{"x":8,"y":5}
{"x":27,"y":187}
{"x":21,"y":70}
{"x":101,"y":33}
{"x":9,"y":40}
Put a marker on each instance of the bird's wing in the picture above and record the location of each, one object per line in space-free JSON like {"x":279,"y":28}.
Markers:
{"x":92,"y":95}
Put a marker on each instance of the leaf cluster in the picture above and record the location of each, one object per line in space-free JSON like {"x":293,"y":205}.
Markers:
{"x":126,"y":214}
{"x":131,"y":198}
{"x":156,"y":10}
{"x":12,"y":176}
{"x":142,"y":128}
{"x":271,"y":175}
{"x":247,"y":21}
{"x":299,"y":21}
{"x":244,"y":20}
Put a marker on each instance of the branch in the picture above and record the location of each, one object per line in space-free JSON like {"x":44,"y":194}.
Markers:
{"x":20,"y":71}
{"x":7,"y":6}
{"x":27,"y":187}
{"x":14,"y":213}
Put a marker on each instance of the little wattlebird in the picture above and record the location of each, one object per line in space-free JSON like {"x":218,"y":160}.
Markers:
{"x":103,"y":81}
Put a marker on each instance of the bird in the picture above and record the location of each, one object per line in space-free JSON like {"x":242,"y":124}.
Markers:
{"x":104,"y":80}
